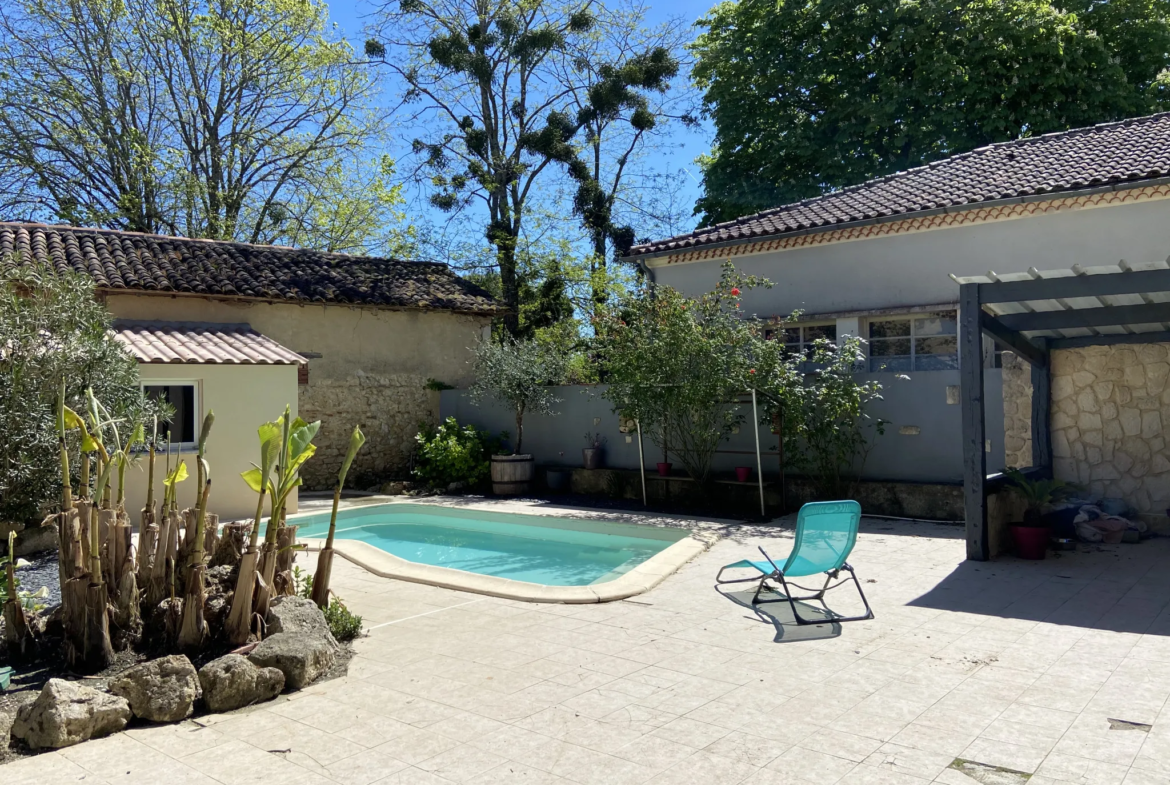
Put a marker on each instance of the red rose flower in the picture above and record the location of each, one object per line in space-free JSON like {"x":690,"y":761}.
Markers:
{"x":735,"y":291}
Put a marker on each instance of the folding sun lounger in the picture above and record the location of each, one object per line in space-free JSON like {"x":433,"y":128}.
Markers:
{"x":825,"y":535}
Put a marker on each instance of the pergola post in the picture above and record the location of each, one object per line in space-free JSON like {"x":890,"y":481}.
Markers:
{"x":974,"y":425}
{"x":1041,"y":412}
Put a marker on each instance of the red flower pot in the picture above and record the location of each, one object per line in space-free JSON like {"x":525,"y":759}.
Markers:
{"x":664,"y":469}
{"x":1031,"y":541}
{"x":743,"y":473}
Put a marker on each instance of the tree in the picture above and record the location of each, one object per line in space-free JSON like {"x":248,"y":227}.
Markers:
{"x":676,"y":364}
{"x":809,"y":97}
{"x":230,"y":120}
{"x":623,"y":102}
{"x":499,"y":91}
{"x":54,"y":329}
{"x":518,"y":374}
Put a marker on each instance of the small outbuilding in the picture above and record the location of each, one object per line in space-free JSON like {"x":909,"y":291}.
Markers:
{"x":241,"y":375}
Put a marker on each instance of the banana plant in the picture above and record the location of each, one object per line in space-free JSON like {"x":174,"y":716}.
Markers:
{"x":325,"y":558}
{"x":296,"y":447}
{"x":239,"y":620}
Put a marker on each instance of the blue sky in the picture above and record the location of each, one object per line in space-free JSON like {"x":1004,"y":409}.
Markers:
{"x":678,"y":155}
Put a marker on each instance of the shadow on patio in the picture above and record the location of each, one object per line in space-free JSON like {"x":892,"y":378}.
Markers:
{"x":1119,"y":588}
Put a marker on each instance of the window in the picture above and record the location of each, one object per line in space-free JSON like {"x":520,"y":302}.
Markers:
{"x":914,"y":343}
{"x":799,"y":340}
{"x":182,"y":396}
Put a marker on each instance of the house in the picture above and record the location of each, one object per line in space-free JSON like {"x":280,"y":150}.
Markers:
{"x":877,"y":260}
{"x":246,"y":329}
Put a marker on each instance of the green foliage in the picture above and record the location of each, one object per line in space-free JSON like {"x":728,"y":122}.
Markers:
{"x":244,"y":120}
{"x":437,"y":386}
{"x":518,"y":374}
{"x":827,"y":431}
{"x":343,"y":624}
{"x":53,"y":328}
{"x":674,"y":363}
{"x":451,"y":453}
{"x":808,"y":97}
{"x":1039,"y":493}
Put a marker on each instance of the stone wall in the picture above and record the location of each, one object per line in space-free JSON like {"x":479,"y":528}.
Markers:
{"x":389,"y":410}
{"x":1017,"y":411}
{"x":1108,"y":407}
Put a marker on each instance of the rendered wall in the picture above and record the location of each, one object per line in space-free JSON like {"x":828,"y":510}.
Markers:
{"x":242,"y":397}
{"x":912,"y":269}
{"x":371,"y":371}
{"x":929,"y":449}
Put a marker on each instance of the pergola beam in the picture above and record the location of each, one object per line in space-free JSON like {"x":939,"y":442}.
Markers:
{"x":1109,"y":316}
{"x":1133,"y":282}
{"x":1012,"y":341}
{"x":1158,"y":336}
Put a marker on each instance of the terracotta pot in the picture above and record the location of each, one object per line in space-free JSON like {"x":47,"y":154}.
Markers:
{"x":1031,"y":541}
{"x":593,"y":457}
{"x":664,"y":469}
{"x":511,"y":474}
{"x":743,"y":473}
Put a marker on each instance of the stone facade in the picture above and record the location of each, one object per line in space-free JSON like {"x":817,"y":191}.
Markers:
{"x":1017,"y":411}
{"x":389,"y":410}
{"x":1108,"y":407}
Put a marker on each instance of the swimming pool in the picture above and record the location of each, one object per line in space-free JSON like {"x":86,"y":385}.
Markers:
{"x":532,"y":549}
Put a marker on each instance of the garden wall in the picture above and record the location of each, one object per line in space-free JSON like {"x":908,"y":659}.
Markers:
{"x":1109,"y":404}
{"x":922,"y":442}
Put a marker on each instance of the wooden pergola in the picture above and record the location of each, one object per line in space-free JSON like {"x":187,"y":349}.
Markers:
{"x":1032,"y":314}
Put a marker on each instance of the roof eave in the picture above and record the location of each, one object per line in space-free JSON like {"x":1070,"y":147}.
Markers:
{"x":485,"y":312}
{"x":1044,"y":197}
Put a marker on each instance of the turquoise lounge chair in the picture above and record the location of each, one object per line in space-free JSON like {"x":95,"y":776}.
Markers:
{"x":825,"y":535}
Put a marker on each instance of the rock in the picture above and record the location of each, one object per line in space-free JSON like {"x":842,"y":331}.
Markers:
{"x":67,"y":713}
{"x":298,"y":614}
{"x":36,"y":539}
{"x":162,"y":690}
{"x":301,"y":657}
{"x":232,"y":682}
{"x":8,"y":716}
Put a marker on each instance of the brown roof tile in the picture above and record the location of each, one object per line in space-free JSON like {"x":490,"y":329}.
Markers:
{"x":1125,"y":152}
{"x":201,"y":342}
{"x":129,"y":261}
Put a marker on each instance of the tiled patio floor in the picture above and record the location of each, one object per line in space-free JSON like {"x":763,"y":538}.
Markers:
{"x":1011,"y":664}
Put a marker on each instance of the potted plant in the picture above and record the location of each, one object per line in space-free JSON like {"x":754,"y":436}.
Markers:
{"x":1031,"y":535}
{"x":557,"y":476}
{"x":594,"y":452}
{"x":518,"y":374}
{"x":743,"y":473}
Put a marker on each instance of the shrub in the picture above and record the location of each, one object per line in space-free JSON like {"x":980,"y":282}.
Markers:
{"x":344,"y":625}
{"x":53,"y":328}
{"x":451,"y":453}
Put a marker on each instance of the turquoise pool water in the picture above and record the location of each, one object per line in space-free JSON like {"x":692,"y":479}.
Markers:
{"x":532,"y":548}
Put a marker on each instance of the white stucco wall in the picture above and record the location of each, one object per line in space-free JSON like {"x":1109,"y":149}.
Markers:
{"x":912,"y":269}
{"x":242,"y":397}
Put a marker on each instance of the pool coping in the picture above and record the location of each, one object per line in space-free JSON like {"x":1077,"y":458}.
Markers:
{"x":641,"y":578}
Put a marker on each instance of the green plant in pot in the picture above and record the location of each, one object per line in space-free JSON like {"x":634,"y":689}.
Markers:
{"x":519,"y":375}
{"x":1031,"y":535}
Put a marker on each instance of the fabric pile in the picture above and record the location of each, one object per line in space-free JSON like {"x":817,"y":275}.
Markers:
{"x":1094,"y":524}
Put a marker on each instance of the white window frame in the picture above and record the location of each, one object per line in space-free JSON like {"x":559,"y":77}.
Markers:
{"x":912,"y":337}
{"x":802,"y":345}
{"x":197,"y":407}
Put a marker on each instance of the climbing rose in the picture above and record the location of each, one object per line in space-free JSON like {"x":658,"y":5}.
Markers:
{"x":735,"y":291}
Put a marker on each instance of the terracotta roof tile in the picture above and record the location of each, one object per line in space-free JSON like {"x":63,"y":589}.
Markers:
{"x":201,"y":342}
{"x":129,"y":261}
{"x":1124,"y":152}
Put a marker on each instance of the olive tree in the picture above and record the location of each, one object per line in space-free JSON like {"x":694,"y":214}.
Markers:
{"x":53,"y":329}
{"x":518,"y":374}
